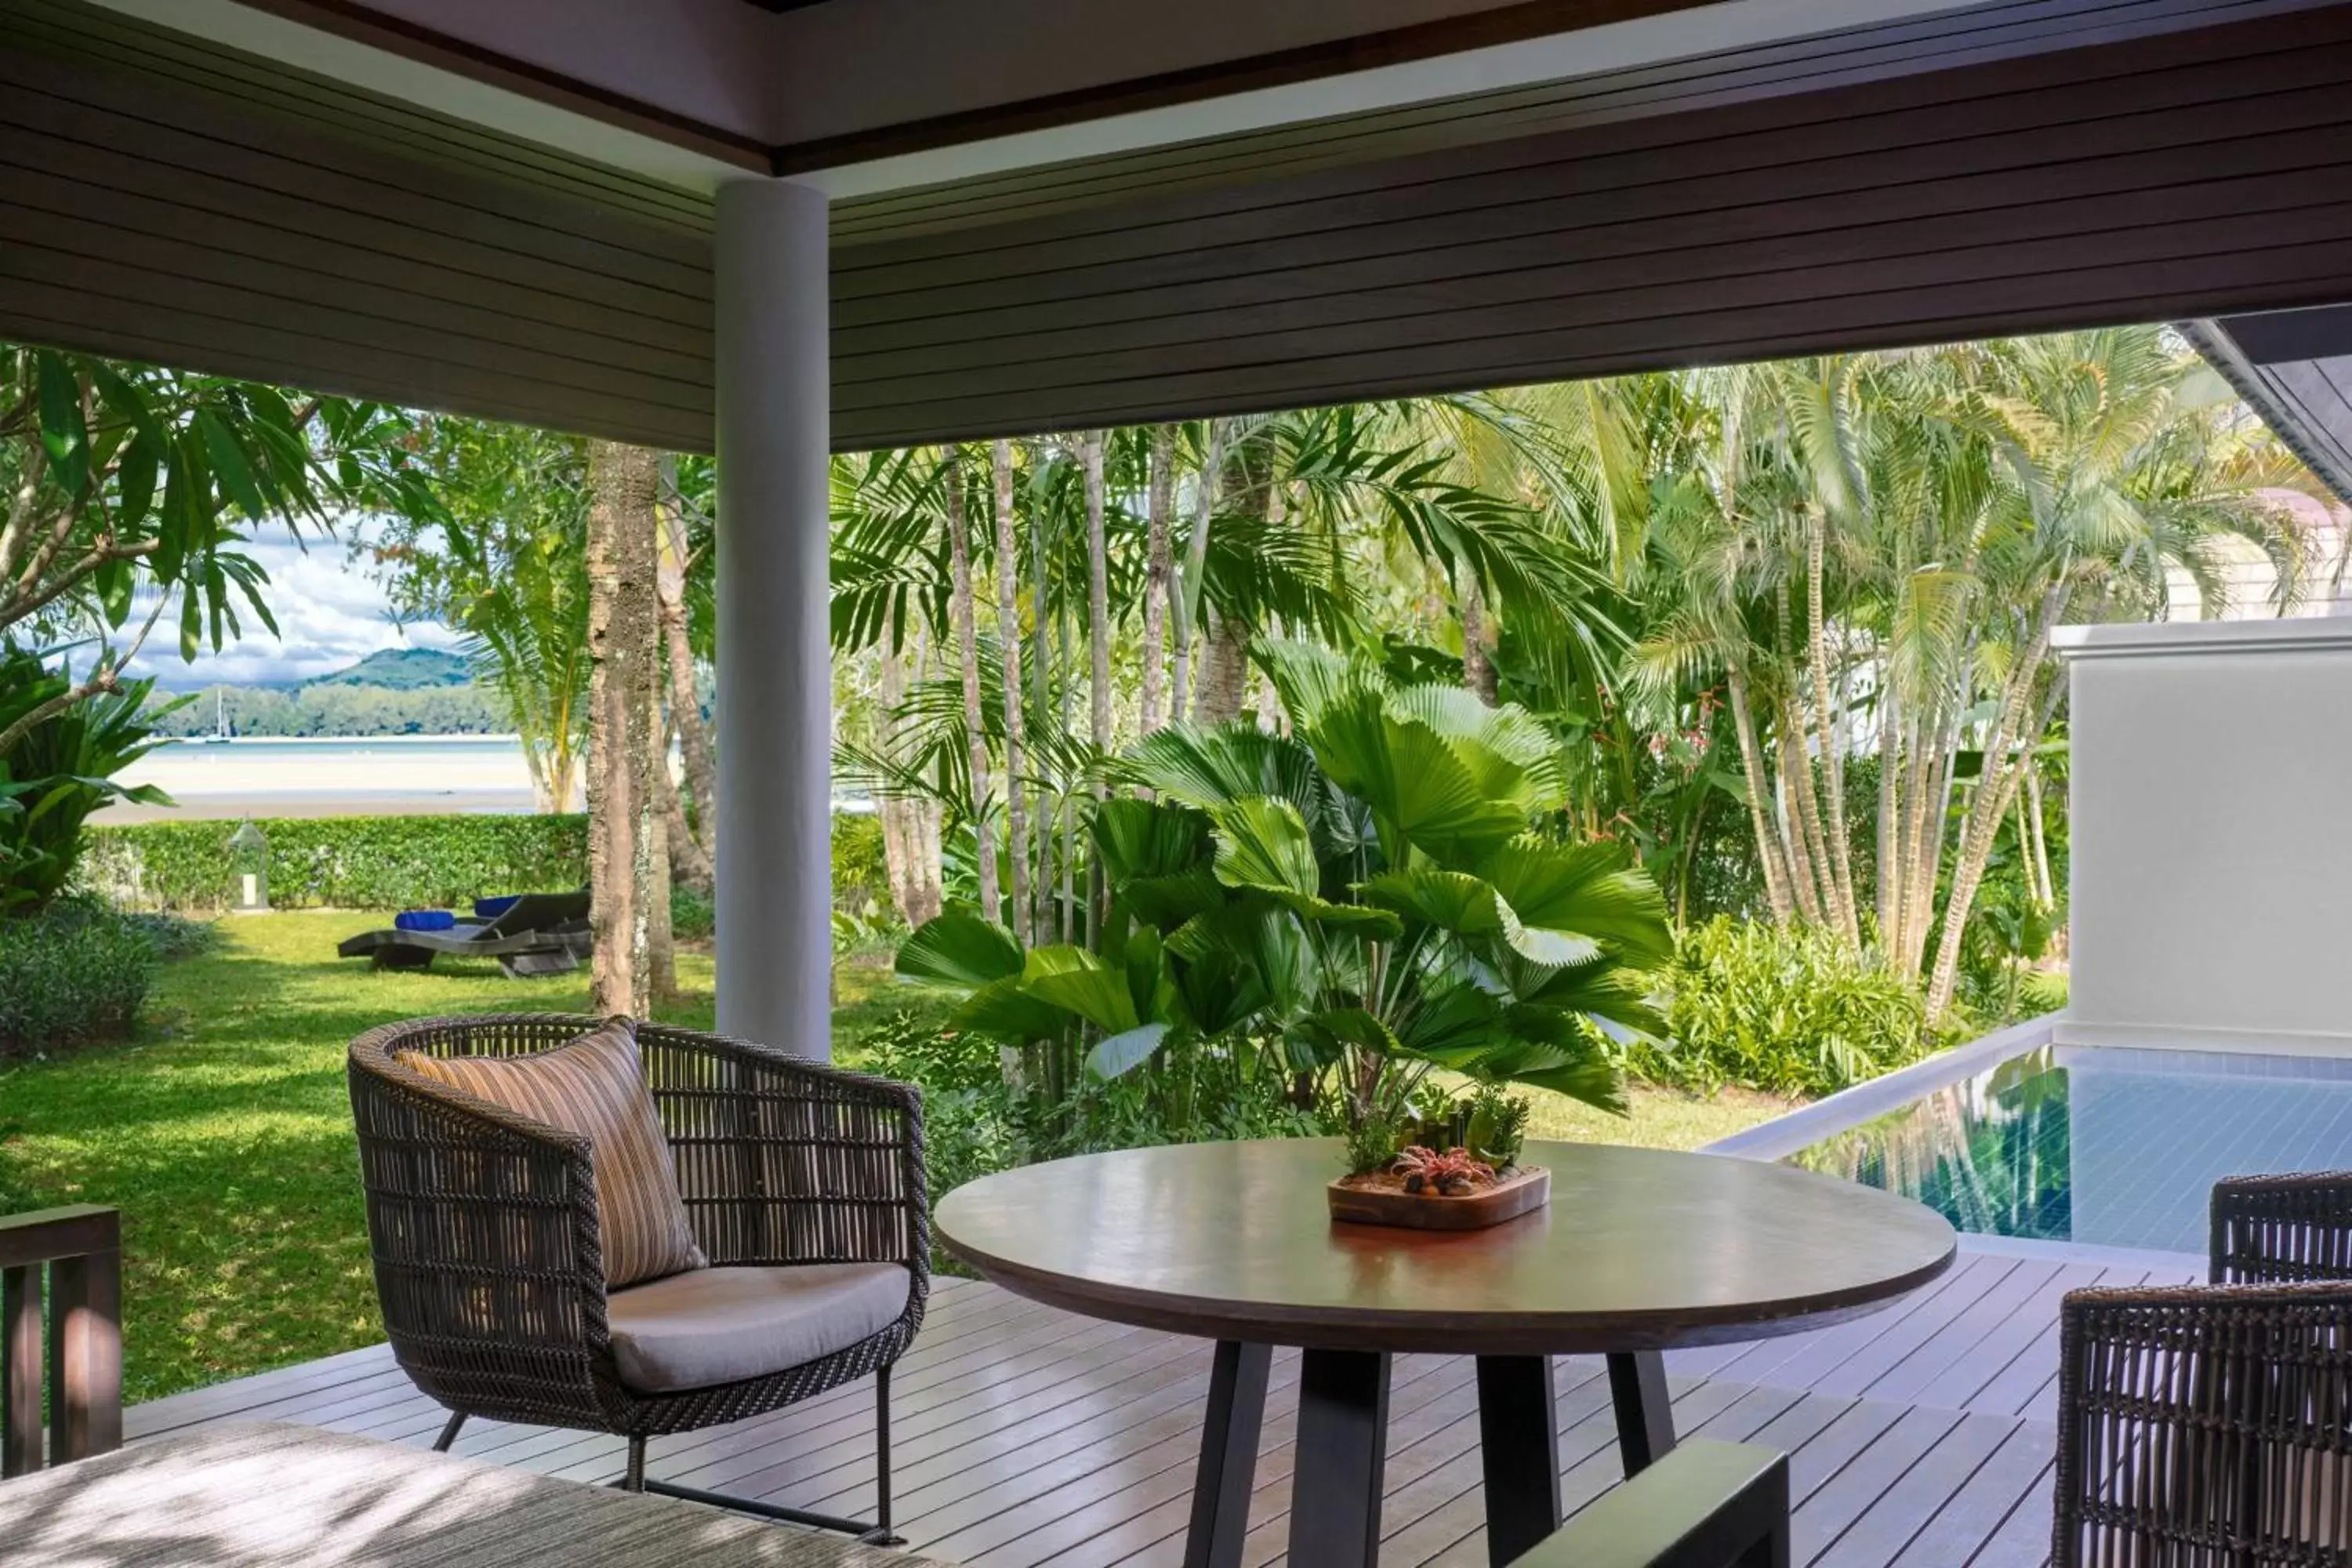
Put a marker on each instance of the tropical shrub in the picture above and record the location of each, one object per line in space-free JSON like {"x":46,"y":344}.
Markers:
{"x":70,"y":972}
{"x":691,"y":916}
{"x":978,"y":1121}
{"x":968,"y":1124}
{"x":1785,"y":1009}
{"x":1337,"y":911}
{"x":59,"y":770}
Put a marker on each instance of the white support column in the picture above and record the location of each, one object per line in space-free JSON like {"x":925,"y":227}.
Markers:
{"x":775,"y":672}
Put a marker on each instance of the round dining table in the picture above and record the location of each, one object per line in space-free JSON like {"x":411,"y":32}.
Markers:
{"x":1638,"y":1252}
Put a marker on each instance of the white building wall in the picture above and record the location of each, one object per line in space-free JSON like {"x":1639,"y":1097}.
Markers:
{"x":2212,"y":822}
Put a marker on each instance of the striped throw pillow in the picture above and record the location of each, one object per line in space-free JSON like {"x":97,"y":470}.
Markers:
{"x":595,"y":1087}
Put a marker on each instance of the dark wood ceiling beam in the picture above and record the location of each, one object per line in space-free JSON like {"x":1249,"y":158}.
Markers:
{"x":2148,"y":179}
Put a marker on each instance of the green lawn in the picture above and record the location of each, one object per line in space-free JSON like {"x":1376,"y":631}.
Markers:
{"x":223,"y":1135}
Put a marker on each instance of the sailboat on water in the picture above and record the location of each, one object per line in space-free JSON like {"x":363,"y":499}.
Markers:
{"x":220,"y":734}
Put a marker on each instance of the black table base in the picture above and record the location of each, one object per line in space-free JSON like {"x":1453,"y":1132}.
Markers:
{"x":1342,"y":1449}
{"x":1221,"y":1494}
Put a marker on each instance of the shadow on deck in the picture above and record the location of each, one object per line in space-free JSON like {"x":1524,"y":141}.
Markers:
{"x":1921,"y":1437}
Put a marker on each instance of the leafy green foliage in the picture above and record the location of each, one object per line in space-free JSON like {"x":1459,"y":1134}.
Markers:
{"x":1374,"y":1141}
{"x":491,"y":538}
{"x":71,"y":973}
{"x":1497,"y":1125}
{"x":1789,"y":1010}
{"x":59,"y":771}
{"x":1339,"y":907}
{"x":125,"y":478}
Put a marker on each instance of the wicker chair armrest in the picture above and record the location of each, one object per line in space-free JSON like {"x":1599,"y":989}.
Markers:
{"x":2201,"y":1416}
{"x":839,"y":1082}
{"x":2282,"y":1229}
{"x":465,"y":1196}
{"x":786,"y":1160}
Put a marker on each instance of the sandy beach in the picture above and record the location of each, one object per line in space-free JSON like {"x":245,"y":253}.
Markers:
{"x":395,"y":775}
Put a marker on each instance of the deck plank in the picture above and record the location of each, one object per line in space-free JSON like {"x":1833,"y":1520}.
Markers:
{"x":2015,"y":1478}
{"x":1026,"y":1437}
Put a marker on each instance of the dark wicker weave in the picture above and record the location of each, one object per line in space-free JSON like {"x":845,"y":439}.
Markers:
{"x":2283,"y":1229}
{"x":483,"y":1223}
{"x":2210,"y":1426}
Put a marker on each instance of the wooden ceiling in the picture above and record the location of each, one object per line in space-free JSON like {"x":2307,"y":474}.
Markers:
{"x":2022,"y":166}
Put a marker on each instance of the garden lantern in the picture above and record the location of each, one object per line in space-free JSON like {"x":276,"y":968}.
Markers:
{"x":249,"y":855}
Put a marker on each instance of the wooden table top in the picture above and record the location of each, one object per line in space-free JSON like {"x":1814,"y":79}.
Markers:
{"x":1639,"y":1250}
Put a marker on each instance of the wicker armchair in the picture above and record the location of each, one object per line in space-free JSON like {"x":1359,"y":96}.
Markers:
{"x":484,"y":1226}
{"x":2212,"y":1425}
{"x":2281,"y":1230}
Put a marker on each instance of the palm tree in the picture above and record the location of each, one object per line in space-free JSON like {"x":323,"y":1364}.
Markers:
{"x":1008,"y":633}
{"x":1158,"y":570}
{"x":2106,"y":473}
{"x":967,"y":632}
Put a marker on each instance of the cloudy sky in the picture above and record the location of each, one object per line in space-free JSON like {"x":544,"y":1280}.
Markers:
{"x":330,"y":611}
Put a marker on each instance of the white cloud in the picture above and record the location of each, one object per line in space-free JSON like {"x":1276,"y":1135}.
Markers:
{"x":330,"y":612}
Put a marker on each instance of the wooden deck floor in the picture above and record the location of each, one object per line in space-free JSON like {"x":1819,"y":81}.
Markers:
{"x":1024,"y":1436}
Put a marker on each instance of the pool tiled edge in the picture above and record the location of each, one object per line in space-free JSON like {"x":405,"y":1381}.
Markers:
{"x":1808,"y":1125}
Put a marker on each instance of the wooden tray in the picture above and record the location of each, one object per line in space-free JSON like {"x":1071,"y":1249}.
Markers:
{"x":1530,"y":1189}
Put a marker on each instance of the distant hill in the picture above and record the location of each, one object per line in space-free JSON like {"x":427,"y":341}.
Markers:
{"x":400,"y":669}
{"x":398,"y":691}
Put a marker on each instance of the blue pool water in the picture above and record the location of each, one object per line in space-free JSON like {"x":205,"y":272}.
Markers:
{"x":2117,"y":1148}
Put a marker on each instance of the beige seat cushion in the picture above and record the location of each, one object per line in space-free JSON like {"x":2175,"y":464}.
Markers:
{"x":727,"y":1325}
{"x":595,"y":1086}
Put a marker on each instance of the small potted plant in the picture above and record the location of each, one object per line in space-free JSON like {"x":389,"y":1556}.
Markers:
{"x":1455,"y":1167}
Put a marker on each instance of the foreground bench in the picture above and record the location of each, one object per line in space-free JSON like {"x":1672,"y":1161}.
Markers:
{"x":1705,"y":1505}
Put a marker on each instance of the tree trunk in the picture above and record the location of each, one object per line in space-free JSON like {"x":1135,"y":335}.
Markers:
{"x":903,"y":845}
{"x":2034,"y":824}
{"x":656,"y":876}
{"x":1768,"y":833}
{"x":1041,"y":665}
{"x":1023,"y":915}
{"x":1838,"y":870}
{"x":1224,"y":672}
{"x":1889,"y":846}
{"x":1098,"y":603}
{"x":687,"y":863}
{"x":1068,"y":808}
{"x":967,"y":645}
{"x":1158,"y":566}
{"x":1187,"y":607}
{"x":1090,"y":452}
{"x":624,"y":620}
{"x":1995,"y":780}
{"x":694,"y":747}
{"x":925,"y":812}
{"x":1804,"y":838}
{"x":1477,"y":662}
{"x":1931,"y":816}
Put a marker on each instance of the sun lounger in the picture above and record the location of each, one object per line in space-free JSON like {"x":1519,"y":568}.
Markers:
{"x":537,"y":933}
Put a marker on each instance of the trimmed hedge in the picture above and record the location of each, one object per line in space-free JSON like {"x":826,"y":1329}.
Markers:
{"x":74,"y":971}
{"x":345,"y":862}
{"x":395,"y":862}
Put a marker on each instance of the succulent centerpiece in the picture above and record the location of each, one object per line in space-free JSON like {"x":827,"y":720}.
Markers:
{"x":1456,"y":1170}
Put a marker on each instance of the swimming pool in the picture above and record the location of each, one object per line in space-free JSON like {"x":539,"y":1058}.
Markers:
{"x":2099,"y":1145}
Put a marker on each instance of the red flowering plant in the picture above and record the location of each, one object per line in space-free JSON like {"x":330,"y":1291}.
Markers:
{"x":1451,"y":1174}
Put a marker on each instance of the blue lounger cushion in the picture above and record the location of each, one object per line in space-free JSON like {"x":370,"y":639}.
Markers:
{"x":424,"y":920}
{"x":492,"y":909}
